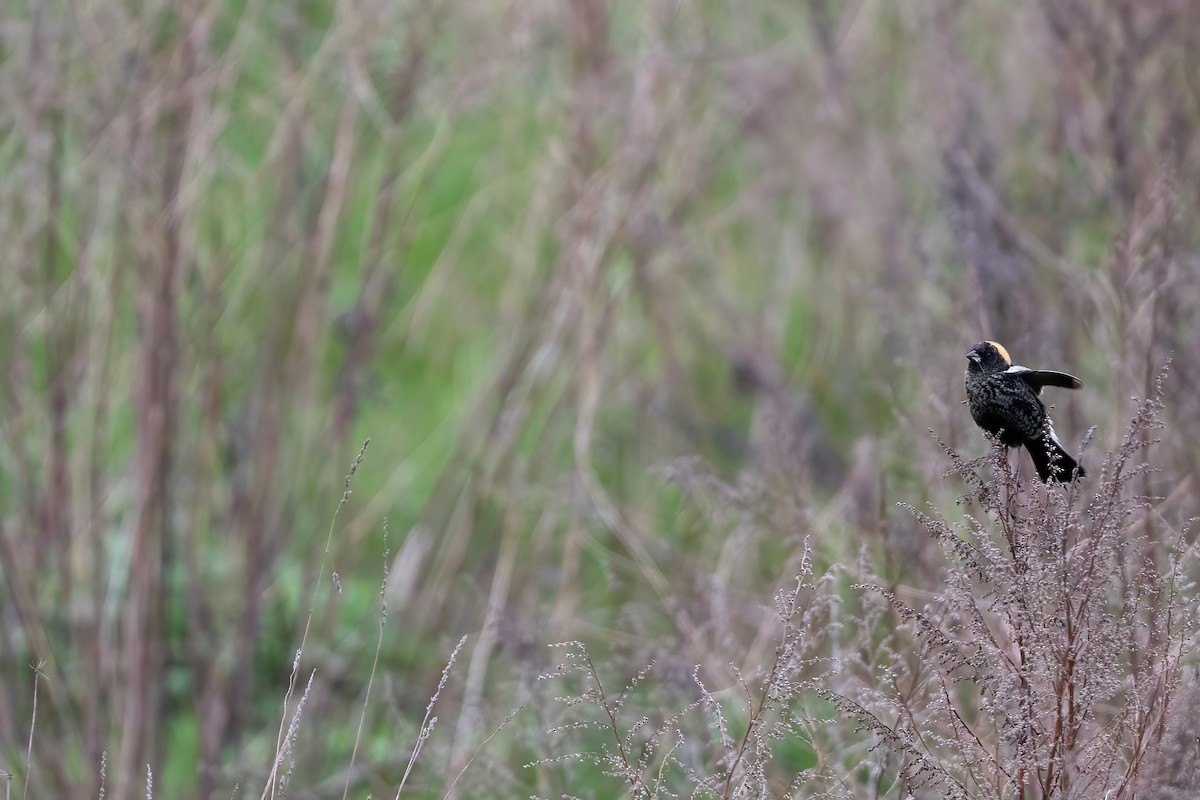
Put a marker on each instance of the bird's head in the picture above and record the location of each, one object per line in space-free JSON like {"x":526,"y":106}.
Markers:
{"x":988,"y":357}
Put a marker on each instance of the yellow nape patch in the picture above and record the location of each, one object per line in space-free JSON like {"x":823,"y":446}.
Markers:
{"x":1000,"y":348}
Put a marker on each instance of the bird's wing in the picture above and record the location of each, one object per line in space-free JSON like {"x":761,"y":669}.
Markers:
{"x":1037,"y":378}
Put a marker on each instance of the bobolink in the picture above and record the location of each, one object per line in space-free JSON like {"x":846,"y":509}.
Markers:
{"x":1004,"y":400}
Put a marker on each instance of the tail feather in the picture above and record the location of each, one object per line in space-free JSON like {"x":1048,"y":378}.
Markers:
{"x":1049,"y":456}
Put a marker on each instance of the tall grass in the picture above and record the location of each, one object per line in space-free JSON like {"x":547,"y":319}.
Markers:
{"x":634,"y":301}
{"x":1054,"y":659}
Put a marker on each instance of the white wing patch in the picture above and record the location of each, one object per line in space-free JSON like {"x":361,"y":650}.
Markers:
{"x":1017,"y":370}
{"x":1053,"y":435}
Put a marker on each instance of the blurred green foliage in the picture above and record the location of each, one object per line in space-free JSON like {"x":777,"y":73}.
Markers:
{"x":540,"y":256}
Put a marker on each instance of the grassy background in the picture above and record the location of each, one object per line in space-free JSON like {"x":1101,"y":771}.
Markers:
{"x":630,"y":299}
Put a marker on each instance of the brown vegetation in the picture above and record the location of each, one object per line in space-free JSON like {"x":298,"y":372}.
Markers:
{"x":634,"y":301}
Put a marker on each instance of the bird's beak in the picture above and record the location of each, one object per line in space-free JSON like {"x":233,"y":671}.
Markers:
{"x":973,"y":356}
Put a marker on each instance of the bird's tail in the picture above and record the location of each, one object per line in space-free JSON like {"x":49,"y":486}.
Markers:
{"x":1052,"y":460}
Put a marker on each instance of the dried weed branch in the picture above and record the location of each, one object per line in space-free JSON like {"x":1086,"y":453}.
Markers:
{"x":1049,"y":663}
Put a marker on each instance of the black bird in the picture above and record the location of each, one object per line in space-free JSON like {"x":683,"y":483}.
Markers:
{"x":1004,"y":400}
